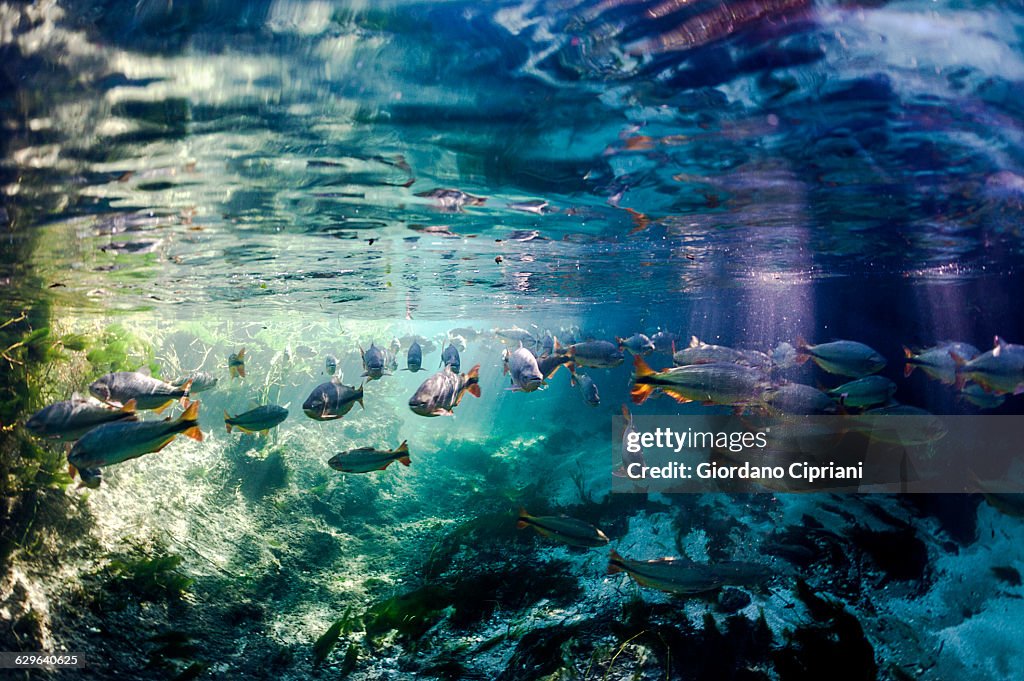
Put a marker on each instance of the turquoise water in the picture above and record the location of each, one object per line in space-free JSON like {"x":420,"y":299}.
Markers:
{"x":183,"y":180}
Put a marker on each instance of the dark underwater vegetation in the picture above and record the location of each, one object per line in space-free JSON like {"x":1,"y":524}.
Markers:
{"x":302,"y":178}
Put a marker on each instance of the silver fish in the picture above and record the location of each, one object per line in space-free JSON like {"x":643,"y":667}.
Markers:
{"x":148,"y":392}
{"x":71,"y":419}
{"x":443,"y":391}
{"x":522,"y":365}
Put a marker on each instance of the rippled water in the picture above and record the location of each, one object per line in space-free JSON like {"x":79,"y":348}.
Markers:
{"x":182,"y":179}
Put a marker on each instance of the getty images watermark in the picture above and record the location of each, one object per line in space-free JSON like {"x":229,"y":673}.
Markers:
{"x":843,"y":453}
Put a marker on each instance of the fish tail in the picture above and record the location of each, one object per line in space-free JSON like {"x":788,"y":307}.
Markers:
{"x":241,"y":356}
{"x":801,"y":344}
{"x":614,"y":562}
{"x":522,"y":523}
{"x":909,"y":367}
{"x":473,"y":381}
{"x":227,"y":420}
{"x":360,"y":399}
{"x":641,"y":369}
{"x":641,"y":392}
{"x":129,"y":406}
{"x":403,"y":449}
{"x":241,"y":370}
{"x":191,"y":419}
{"x":625,"y":413}
{"x":72,"y":471}
{"x":163,"y":406}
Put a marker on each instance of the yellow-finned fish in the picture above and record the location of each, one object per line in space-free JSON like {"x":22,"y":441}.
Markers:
{"x":366,"y":459}
{"x":121,"y":441}
{"x":71,"y":419}
{"x":717,"y":383}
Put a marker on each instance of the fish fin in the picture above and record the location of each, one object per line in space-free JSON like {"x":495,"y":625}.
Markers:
{"x":625,"y":413}
{"x":226,"y":419}
{"x":404,"y":447}
{"x":998,"y":346}
{"x":641,"y":369}
{"x":640,"y":393}
{"x":908,"y":369}
{"x":555,"y":347}
{"x":908,"y":353}
{"x":145,"y":370}
{"x":613,"y":567}
{"x":72,"y":471}
{"x":241,"y":355}
{"x":231,"y":372}
{"x":241,"y":371}
{"x":673,"y":347}
{"x":191,"y":411}
{"x":129,"y":406}
{"x":801,"y":344}
{"x":360,"y":400}
{"x":336,"y":380}
{"x":195,"y":433}
{"x":694,"y":342}
{"x":679,"y":397}
{"x":474,"y":390}
{"x":265,"y":432}
{"x":163,"y":406}
{"x":405,"y":460}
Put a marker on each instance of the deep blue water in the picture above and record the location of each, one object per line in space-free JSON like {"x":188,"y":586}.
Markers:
{"x":184,"y":179}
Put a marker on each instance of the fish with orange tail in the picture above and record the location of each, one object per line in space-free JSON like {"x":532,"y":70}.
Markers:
{"x":442,"y":392}
{"x":715,"y":383}
{"x":121,"y":441}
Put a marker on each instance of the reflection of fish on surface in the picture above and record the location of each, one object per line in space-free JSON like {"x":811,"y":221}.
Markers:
{"x":562,"y":528}
{"x":452,"y":200}
{"x":71,"y":419}
{"x":685,"y":577}
{"x":909,"y":425}
{"x":258,"y":420}
{"x":366,"y":459}
{"x":121,"y":441}
{"x":442,"y":392}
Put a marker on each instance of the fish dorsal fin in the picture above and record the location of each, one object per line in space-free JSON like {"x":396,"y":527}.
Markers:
{"x":694,"y":342}
{"x":1000,"y":346}
{"x":335,"y":380}
{"x":145,"y":370}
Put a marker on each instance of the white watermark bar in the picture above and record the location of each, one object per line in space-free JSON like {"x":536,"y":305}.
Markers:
{"x":864,"y":453}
